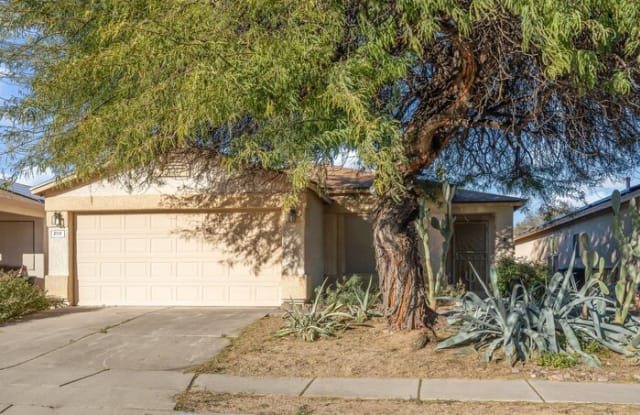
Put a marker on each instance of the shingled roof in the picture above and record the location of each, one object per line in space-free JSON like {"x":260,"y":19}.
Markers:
{"x":20,"y":190}
{"x":346,"y":180}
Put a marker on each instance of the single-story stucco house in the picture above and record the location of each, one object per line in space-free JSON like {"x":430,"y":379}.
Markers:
{"x":230,"y":242}
{"x":554,"y":241}
{"x":23,"y":239}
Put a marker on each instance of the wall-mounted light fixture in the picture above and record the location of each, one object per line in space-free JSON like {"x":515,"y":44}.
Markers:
{"x":292,"y":217}
{"x":58,"y":220}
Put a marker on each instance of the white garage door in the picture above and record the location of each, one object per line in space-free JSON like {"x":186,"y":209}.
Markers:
{"x":179,"y":259}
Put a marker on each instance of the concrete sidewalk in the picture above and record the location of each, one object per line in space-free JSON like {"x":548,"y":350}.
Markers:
{"x":425,"y":389}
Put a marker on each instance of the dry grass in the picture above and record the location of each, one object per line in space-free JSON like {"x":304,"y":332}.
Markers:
{"x":376,"y":352}
{"x":271,"y":405}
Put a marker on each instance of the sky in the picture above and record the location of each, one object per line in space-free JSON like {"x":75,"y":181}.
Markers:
{"x":592,"y":194}
{"x":602,"y":190}
{"x":8,"y":90}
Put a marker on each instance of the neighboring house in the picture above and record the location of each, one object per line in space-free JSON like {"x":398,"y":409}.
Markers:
{"x":230,"y":242}
{"x":22,"y":230}
{"x":554,"y":241}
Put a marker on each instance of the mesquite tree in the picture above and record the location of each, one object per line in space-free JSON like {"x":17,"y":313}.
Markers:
{"x":525,"y":95}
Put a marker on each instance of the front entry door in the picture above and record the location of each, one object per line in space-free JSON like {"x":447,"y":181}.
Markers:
{"x":470,"y":251}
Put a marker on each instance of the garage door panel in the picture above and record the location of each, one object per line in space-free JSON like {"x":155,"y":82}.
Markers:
{"x":265,"y":294}
{"x":136,"y":271}
{"x":162,"y":221}
{"x":162,"y":271}
{"x":188,"y":246}
{"x":111,"y":294}
{"x":111,"y":246}
{"x":136,"y":223}
{"x":88,"y":247}
{"x":111,"y":222}
{"x":136,"y":246}
{"x":136,"y":294}
{"x":161,"y":246}
{"x":163,"y":295}
{"x":240,"y":293}
{"x":188,"y":270}
{"x":177,"y":259}
{"x":188,"y":294}
{"x":110,"y":271}
{"x":214,"y":294}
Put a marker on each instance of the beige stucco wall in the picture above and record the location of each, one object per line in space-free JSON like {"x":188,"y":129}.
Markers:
{"x":178,"y":194}
{"x":348,"y":246}
{"x":19,"y":205}
{"x":25,"y":245}
{"x":537,"y":248}
{"x":314,"y":266}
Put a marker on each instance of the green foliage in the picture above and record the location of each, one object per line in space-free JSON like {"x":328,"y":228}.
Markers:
{"x":557,"y":360}
{"x":629,"y":250}
{"x":544,"y":213}
{"x":110,"y":87}
{"x":361,"y":302}
{"x":522,"y":325}
{"x":512,"y":271}
{"x":333,"y":309}
{"x":18,"y":297}
{"x":315,"y":322}
{"x":594,"y":348}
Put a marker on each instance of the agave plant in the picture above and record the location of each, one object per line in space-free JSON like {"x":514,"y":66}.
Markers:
{"x":365,"y":304}
{"x":521,"y":326}
{"x":318,"y":321}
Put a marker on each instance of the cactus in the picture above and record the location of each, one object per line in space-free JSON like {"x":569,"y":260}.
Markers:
{"x":422,"y":226}
{"x":445,"y":227}
{"x":593,"y":264}
{"x":629,"y":261}
{"x":593,"y":269}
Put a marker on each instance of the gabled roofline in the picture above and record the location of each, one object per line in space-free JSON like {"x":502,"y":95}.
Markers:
{"x":57,"y":184}
{"x":19,"y":189}
{"x":359,"y":183}
{"x":591,"y":209}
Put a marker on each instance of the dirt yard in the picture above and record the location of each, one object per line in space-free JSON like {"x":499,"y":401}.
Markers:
{"x":376,"y":352}
{"x":272,"y":405}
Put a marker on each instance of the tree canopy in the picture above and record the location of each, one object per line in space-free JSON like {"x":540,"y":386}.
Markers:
{"x":524,"y":95}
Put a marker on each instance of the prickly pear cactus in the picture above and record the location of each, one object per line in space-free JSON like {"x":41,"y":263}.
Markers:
{"x":593,"y":263}
{"x":629,"y":250}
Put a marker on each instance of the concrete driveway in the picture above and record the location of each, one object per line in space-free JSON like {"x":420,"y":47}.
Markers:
{"x":109,"y":360}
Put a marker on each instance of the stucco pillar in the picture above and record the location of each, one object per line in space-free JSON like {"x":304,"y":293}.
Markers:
{"x":295,"y":285}
{"x":504,"y":233}
{"x":58,"y":280}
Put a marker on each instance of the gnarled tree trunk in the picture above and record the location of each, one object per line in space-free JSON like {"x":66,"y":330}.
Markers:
{"x":396,"y":245}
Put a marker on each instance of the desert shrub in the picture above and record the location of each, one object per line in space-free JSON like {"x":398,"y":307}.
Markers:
{"x":512,"y":271}
{"x":556,"y":360}
{"x":333,"y":309}
{"x":360,"y":296}
{"x":347,"y":290}
{"x":596,"y":349}
{"x":318,"y":320}
{"x":18,"y":297}
{"x":561,"y":320}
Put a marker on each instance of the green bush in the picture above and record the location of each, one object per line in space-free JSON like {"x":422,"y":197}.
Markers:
{"x":512,"y":271}
{"x":359,"y":295}
{"x":316,"y":321}
{"x":333,"y":309}
{"x":18,"y":297}
{"x":347,"y":290}
{"x":557,"y":360}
